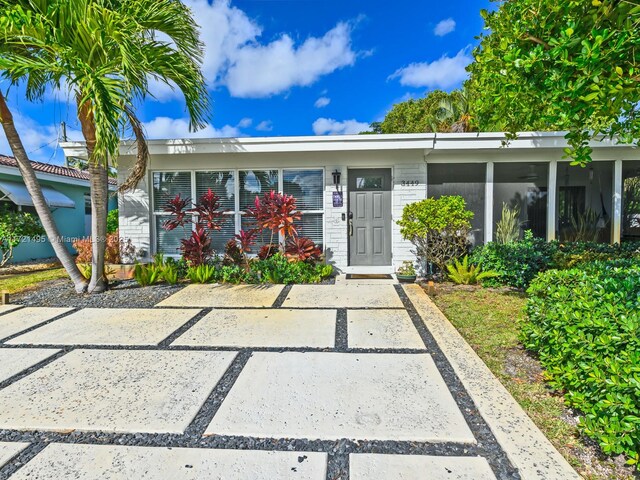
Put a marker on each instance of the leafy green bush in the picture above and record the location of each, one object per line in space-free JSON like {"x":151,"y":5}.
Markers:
{"x":112,"y":221}
{"x":147,"y":275}
{"x":170,"y":273}
{"x":14,"y":227}
{"x":278,"y":269}
{"x":438,"y":227}
{"x":516,"y":263}
{"x":463,"y":273}
{"x":584,"y":325}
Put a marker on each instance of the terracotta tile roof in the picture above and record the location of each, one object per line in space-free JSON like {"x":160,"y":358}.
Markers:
{"x":52,"y":169}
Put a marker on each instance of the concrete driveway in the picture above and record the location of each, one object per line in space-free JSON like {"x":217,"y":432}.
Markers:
{"x":358,"y":380}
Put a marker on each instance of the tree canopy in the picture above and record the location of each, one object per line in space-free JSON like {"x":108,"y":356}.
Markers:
{"x":436,"y":112}
{"x":560,"y":65}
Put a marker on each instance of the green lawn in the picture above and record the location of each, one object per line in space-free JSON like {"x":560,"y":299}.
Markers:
{"x":18,"y":282}
{"x":488,"y":320}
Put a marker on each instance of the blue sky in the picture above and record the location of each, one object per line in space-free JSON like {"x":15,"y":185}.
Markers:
{"x":295,"y":67}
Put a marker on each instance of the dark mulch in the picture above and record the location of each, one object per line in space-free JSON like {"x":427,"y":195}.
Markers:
{"x":124,"y":294}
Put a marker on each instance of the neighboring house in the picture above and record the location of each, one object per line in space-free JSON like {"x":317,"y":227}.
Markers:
{"x":66,"y":191}
{"x":352,"y":189}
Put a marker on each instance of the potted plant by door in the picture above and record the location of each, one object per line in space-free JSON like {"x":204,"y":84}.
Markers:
{"x":406,"y":273}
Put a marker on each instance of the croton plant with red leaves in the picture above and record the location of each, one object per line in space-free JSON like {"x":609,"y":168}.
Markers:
{"x":302,"y":249}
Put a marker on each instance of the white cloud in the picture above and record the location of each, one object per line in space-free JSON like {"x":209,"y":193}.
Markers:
{"x":245,"y":122}
{"x":265,"y":126}
{"x":322,"y":102}
{"x":165,"y":127}
{"x":329,"y":126}
{"x":263,"y":70}
{"x":234,"y":56}
{"x":444,"y":27}
{"x":446,"y":72}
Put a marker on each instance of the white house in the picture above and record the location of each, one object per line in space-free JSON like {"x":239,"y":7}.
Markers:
{"x":352,"y":189}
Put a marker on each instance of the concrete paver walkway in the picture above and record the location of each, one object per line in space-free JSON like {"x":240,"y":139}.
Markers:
{"x":346,"y":381}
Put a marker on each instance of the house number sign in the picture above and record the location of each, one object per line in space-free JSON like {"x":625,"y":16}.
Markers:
{"x":410,"y":183}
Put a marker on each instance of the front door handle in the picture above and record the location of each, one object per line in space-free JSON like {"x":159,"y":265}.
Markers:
{"x":350,"y":228}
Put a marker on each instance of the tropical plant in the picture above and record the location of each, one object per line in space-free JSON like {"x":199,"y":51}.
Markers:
{"x":205,"y":215}
{"x":245,"y":240}
{"x":302,"y":249}
{"x":508,"y":228}
{"x":550,"y":65}
{"x":147,"y":274}
{"x":118,"y":250}
{"x":103,"y":52}
{"x":463,"y":273}
{"x":232,"y":253}
{"x":202,"y":273}
{"x":416,"y":115}
{"x":14,"y":228}
{"x":584,"y":227}
{"x":112,"y":221}
{"x":170,"y":273}
{"x":277,"y":213}
{"x":438,"y":228}
{"x":267,"y":251}
{"x":196,"y":249}
{"x":454,"y":110}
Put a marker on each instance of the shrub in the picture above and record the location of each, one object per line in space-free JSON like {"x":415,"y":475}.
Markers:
{"x":438,"y":228}
{"x":584,"y":324}
{"x":267,"y":251}
{"x":14,"y":226}
{"x":170,"y":273}
{"x":117,"y":250}
{"x":196,"y":249}
{"x":278,"y":269}
{"x":406,"y":269}
{"x":232,"y":253}
{"x":515,"y":263}
{"x":277,"y":213}
{"x":202,"y":273}
{"x":147,"y":275}
{"x":463,"y":273}
{"x":112,"y":221}
{"x":303,"y":249}
{"x":205,"y":214}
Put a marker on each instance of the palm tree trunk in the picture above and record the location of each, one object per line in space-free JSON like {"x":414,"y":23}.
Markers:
{"x":42,"y":209}
{"x":99,"y":181}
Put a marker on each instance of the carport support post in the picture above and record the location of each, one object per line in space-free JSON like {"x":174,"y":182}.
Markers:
{"x":488,"y":204}
{"x":616,"y":220}
{"x":551,"y":200}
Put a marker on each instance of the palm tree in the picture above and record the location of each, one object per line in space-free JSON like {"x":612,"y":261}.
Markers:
{"x":42,"y":209}
{"x":455,"y":111}
{"x":104,"y":52}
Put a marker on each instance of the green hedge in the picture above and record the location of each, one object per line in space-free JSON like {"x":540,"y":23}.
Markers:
{"x":584,"y":324}
{"x":518,"y":263}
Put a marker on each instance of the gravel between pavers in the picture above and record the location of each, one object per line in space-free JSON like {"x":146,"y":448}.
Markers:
{"x":124,"y":294}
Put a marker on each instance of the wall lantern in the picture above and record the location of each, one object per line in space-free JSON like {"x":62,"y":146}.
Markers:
{"x":336,"y":178}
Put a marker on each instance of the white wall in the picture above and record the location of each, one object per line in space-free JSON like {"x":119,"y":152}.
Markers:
{"x":407,"y":165}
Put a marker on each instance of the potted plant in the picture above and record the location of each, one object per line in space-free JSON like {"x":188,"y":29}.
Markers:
{"x":407,"y":272}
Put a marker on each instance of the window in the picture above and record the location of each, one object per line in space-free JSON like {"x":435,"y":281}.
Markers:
{"x":166,"y":185}
{"x":237,"y":190}
{"x":223,"y":184}
{"x":307,"y":186}
{"x":368,"y":183}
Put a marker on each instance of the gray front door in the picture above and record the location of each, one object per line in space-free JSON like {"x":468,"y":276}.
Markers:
{"x":370,"y":217}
